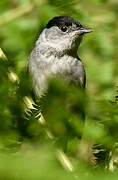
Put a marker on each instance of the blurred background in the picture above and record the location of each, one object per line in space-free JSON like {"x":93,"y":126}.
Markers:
{"x":29,"y":149}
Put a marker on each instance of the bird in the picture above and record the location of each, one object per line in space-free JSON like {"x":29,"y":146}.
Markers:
{"x":55,"y":54}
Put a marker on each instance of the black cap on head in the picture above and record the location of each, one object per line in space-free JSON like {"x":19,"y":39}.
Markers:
{"x":60,"y":21}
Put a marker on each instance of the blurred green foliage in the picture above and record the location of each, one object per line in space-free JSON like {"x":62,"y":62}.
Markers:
{"x":33,"y":147}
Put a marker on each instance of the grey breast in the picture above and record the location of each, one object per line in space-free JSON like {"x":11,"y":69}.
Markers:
{"x":43,"y":68}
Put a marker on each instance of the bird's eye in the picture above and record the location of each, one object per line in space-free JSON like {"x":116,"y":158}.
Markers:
{"x":64,"y":28}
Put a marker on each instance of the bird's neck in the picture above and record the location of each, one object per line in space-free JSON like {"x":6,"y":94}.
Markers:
{"x":48,"y":49}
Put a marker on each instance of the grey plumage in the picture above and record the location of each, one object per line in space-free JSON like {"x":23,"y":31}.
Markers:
{"x":55,"y":54}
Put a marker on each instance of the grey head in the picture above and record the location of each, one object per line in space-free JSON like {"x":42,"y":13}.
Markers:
{"x":63,"y":34}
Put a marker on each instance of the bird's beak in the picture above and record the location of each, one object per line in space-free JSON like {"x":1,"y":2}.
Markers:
{"x":84,"y":30}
